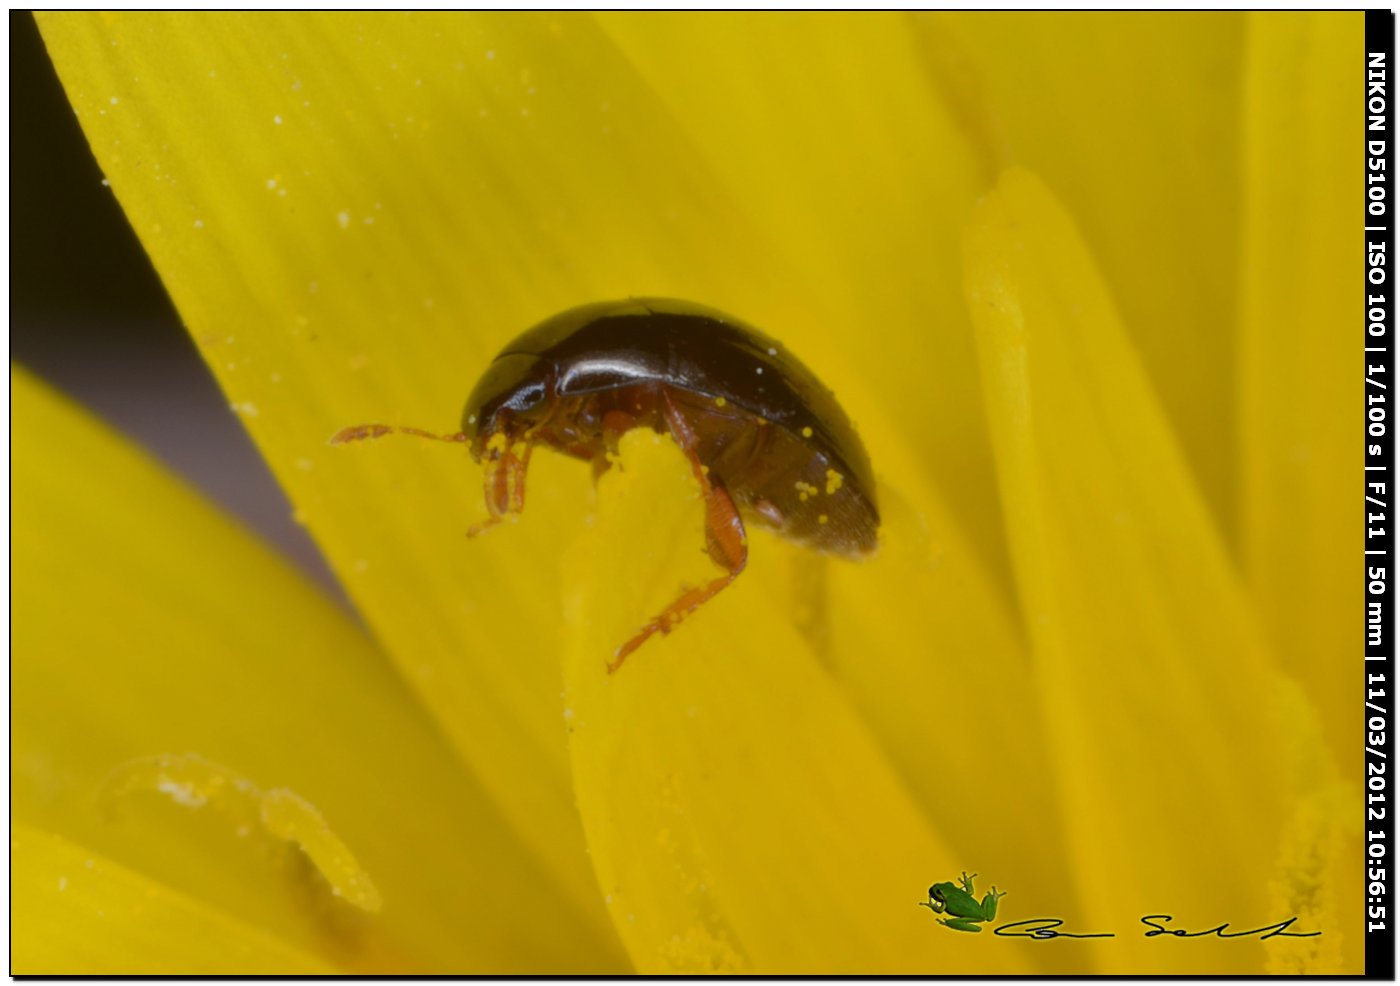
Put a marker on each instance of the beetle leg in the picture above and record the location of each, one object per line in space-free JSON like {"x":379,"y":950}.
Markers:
{"x":727,"y":545}
{"x":725,"y":541}
{"x":503,"y":483}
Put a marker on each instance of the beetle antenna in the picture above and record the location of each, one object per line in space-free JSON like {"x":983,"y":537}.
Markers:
{"x":357,"y":433}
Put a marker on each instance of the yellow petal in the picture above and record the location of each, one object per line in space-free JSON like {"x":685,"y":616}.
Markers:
{"x":78,"y":913}
{"x":1299,"y":383}
{"x":352,"y":214}
{"x":932,"y":656}
{"x":852,"y":168}
{"x":1157,"y":693}
{"x":148,"y":628}
{"x":826,"y":133}
{"x":1297,"y":501}
{"x":1156,"y":194}
{"x":739,"y":816}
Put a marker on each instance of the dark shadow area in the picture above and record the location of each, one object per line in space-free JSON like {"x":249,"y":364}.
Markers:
{"x":89,"y":315}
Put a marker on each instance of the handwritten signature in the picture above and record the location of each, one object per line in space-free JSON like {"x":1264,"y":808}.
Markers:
{"x":1044,"y":929}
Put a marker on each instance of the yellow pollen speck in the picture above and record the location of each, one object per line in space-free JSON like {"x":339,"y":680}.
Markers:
{"x":497,"y":442}
{"x":720,"y":402}
{"x":833,"y":481}
{"x":762,"y":421}
{"x":822,"y":519}
{"x":807,"y":432}
{"x":518,"y":449}
{"x":705,"y":470}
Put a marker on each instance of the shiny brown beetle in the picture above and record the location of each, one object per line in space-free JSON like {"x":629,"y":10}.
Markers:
{"x":765,"y":439}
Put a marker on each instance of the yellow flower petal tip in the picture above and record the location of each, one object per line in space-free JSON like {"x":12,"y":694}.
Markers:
{"x":726,"y":750}
{"x":279,"y":815}
{"x":1149,"y":656}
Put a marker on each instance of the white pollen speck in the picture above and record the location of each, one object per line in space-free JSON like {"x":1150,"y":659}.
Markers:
{"x":568,"y":713}
{"x":115,"y":100}
{"x":246,"y":407}
{"x":199,"y":224}
{"x":772,"y":351}
{"x":271,"y":184}
{"x":87,"y":862}
{"x":759,"y":371}
{"x":277,"y":120}
{"x":313,"y":288}
{"x":360,"y":567}
{"x":344,"y":219}
{"x":181,"y":794}
{"x":305,"y":465}
{"x":275,"y":377}
{"x":62,"y":884}
{"x":368,"y":220}
{"x":459,"y":66}
{"x":471,"y":420}
{"x":282,"y":193}
{"x":417,"y":82}
{"x":106,"y":183}
{"x":490,"y":54}
{"x":296,"y":84}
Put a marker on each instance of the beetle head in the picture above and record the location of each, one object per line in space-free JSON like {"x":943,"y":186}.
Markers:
{"x":512,"y":393}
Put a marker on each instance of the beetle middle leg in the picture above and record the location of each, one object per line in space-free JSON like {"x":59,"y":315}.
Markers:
{"x":725,"y":539}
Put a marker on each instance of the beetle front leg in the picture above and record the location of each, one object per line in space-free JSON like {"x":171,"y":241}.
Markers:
{"x":503,"y":481}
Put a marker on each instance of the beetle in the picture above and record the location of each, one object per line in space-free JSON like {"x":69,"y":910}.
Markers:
{"x":766,"y":441}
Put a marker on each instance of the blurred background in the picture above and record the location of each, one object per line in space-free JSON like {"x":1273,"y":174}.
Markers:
{"x":89,"y":315}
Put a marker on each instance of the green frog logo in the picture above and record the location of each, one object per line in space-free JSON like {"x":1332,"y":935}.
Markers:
{"x":959,"y":902}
